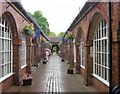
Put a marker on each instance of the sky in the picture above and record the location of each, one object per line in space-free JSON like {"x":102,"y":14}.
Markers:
{"x":59,"y":13}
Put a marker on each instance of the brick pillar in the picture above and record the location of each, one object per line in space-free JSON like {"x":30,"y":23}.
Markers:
{"x":66,"y":55}
{"x":116,"y":64}
{"x":77,"y":59}
{"x":88,"y":66}
{"x":39,"y":54}
{"x":63,"y":51}
{"x":32,"y":55}
{"x":16,"y":60}
{"x":28,"y":58}
{"x":35,"y":55}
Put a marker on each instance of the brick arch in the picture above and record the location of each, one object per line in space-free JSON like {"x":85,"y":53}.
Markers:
{"x":11,"y":21}
{"x":79,"y":34}
{"x":92,"y":28}
{"x":88,"y":48}
{"x":16,"y":43}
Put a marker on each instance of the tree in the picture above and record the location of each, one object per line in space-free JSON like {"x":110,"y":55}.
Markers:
{"x":52,"y":34}
{"x":42,"y":21}
{"x":61,"y":34}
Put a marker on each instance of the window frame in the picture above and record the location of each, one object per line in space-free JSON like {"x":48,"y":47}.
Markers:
{"x":82,"y":53}
{"x":6,"y":50}
{"x":101,"y":53}
{"x":23,"y":59}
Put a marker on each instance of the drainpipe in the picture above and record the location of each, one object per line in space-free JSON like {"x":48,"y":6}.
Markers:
{"x":110,"y":46}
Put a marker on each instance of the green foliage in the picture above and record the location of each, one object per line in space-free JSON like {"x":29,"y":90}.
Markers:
{"x":69,"y":36}
{"x":52,"y":34}
{"x":71,"y":65}
{"x":61,"y":34}
{"x":54,"y":49}
{"x":42,"y":21}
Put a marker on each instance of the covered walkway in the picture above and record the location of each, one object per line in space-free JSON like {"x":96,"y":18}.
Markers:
{"x":53,"y":77}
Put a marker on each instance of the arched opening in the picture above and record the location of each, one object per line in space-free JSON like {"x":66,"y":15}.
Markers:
{"x":55,"y":48}
{"x":80,"y":51}
{"x":97,"y":51}
{"x":101,"y":52}
{"x":10,"y":36}
{"x":6,"y":48}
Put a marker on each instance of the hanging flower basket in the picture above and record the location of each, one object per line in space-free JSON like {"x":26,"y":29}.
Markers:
{"x":69,"y":37}
{"x":28,"y":30}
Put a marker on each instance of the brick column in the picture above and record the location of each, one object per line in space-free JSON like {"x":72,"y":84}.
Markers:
{"x":16,"y":60}
{"x":88,"y":66}
{"x":28,"y":57}
{"x":63,"y":51}
{"x":115,"y":64}
{"x":32,"y":55}
{"x":66,"y":51}
{"x":35,"y":55}
{"x":39,"y":54}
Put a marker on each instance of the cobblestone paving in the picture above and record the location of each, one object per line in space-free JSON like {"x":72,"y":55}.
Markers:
{"x":53,"y":77}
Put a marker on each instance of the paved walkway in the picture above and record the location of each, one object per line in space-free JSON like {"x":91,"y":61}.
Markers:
{"x":53,"y":77}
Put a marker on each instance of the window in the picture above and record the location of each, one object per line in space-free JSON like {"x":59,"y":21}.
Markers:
{"x":101,"y":53}
{"x":5,"y":49}
{"x":74,"y":53}
{"x":23,"y":63}
{"x":82,"y":53}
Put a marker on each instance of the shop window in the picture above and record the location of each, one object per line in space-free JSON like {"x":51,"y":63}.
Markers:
{"x":23,"y":63}
{"x":101,"y":53}
{"x":5,"y":49}
{"x":82,"y":57}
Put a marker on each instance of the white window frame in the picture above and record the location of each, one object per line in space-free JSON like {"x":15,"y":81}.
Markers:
{"x":82,"y":53}
{"x":6,"y":50}
{"x":101,"y":53}
{"x":23,"y":59}
{"x":74,"y":51}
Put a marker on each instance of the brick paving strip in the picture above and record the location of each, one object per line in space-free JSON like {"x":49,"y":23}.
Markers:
{"x":52,"y":77}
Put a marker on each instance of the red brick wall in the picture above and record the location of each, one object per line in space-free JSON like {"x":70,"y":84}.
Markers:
{"x":82,"y":71}
{"x":99,"y":85}
{"x":87,"y":25}
{"x":7,"y":83}
{"x":17,"y":21}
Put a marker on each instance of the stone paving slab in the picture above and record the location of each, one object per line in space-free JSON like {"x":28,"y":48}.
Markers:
{"x":53,"y":77}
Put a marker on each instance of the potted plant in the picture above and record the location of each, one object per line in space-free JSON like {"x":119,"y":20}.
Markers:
{"x":70,"y":69}
{"x":63,"y":59}
{"x":45,"y":61}
{"x":28,"y":30}
{"x":27,"y":80}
